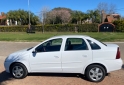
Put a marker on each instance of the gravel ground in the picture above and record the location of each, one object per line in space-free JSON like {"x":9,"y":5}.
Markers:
{"x":115,"y":78}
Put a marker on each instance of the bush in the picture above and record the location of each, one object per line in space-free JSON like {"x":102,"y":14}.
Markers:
{"x":53,"y":28}
{"x":68,"y":28}
{"x":13,"y":28}
{"x":119,"y":25}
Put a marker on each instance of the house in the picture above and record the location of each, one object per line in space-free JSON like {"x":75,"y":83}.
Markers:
{"x":107,"y":25}
{"x":5,"y":21}
{"x":2,"y":18}
{"x":109,"y":17}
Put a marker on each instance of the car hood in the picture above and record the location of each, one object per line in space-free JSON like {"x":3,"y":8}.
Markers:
{"x":17,"y":55}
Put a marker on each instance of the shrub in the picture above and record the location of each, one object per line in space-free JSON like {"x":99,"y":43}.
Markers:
{"x":53,"y":28}
{"x":13,"y":28}
{"x":119,"y":25}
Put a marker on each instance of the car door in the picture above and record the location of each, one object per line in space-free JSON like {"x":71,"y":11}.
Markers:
{"x":47,"y":57}
{"x":75,"y":55}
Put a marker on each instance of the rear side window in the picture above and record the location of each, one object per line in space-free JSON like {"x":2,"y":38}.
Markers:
{"x":75,"y":44}
{"x":93,"y":45}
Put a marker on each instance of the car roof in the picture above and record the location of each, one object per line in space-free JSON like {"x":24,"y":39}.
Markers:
{"x":78,"y":36}
{"x":63,"y":36}
{"x":66,"y":36}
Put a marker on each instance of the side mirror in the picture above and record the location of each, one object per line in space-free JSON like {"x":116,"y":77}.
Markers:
{"x":34,"y":51}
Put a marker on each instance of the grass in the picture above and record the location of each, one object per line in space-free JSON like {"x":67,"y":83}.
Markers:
{"x":38,"y":36}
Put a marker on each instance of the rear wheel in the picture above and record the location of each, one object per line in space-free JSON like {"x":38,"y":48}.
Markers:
{"x":95,"y":73}
{"x":18,"y":71}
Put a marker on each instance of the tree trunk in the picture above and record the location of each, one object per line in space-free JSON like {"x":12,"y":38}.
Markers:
{"x":53,"y":22}
{"x":77,"y":22}
{"x":43,"y":27}
{"x":80,"y":21}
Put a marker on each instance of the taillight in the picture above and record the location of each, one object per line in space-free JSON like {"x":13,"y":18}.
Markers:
{"x":118,"y":54}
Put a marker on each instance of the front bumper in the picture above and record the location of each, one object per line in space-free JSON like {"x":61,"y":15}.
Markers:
{"x":7,"y":66}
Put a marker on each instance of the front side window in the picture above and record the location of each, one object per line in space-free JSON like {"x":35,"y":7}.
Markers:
{"x":49,"y":46}
{"x":93,"y":45}
{"x":75,"y":44}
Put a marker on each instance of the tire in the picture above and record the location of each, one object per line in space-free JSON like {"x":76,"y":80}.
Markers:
{"x":18,"y":71}
{"x":95,"y":73}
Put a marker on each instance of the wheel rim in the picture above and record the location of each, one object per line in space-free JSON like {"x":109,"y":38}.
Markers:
{"x":17,"y":71}
{"x":96,"y":74}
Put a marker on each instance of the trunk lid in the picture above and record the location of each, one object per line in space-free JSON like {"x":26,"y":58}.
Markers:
{"x":112,"y":45}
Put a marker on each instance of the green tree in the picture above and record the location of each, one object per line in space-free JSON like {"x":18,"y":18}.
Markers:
{"x":94,"y":15}
{"x":78,"y":16}
{"x":22,"y":17}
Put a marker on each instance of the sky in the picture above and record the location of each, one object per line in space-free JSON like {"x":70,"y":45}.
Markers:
{"x":36,"y":6}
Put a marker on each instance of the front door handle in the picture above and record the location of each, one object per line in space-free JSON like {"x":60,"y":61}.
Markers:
{"x":84,"y":55}
{"x":56,"y":56}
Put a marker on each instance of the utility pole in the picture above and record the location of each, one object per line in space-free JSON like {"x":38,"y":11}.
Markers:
{"x":29,"y":12}
{"x":43,"y":20}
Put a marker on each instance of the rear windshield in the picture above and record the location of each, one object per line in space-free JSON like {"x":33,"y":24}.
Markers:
{"x":101,"y":42}
{"x":93,"y":45}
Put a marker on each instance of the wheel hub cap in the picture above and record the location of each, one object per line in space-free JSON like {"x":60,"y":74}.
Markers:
{"x":17,"y":71}
{"x":96,"y":74}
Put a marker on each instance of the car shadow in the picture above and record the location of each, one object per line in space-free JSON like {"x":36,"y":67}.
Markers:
{"x":4,"y":76}
{"x":123,"y":66}
{"x":59,"y":75}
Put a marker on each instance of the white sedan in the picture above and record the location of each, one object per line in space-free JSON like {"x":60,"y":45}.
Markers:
{"x":66,"y":54}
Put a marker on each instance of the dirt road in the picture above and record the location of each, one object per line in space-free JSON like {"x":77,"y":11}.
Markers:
{"x":115,"y":78}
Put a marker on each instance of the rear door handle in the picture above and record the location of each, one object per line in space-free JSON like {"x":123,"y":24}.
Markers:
{"x":56,"y":56}
{"x":84,"y":55}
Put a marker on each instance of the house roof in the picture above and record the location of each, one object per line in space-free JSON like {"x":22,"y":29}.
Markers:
{"x":110,"y":19}
{"x":2,"y":17}
{"x":116,"y":15}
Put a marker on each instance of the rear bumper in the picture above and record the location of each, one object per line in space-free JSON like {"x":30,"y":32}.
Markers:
{"x":113,"y":65}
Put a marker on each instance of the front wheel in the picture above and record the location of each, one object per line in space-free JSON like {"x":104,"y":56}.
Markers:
{"x":18,"y":71}
{"x":95,"y":73}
